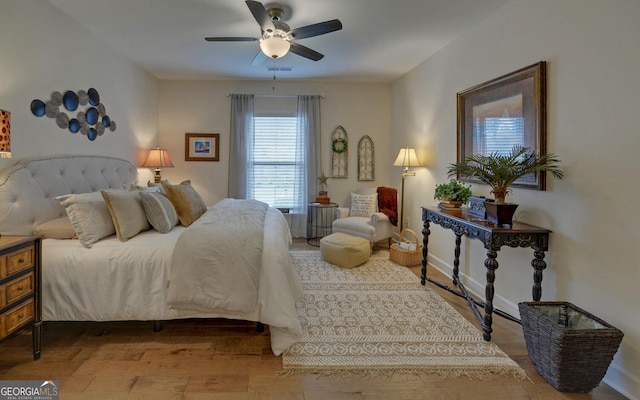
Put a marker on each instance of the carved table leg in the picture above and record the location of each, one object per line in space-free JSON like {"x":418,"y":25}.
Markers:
{"x":456,"y":259}
{"x":425,"y":243}
{"x":492,"y":265}
{"x":538,"y":265}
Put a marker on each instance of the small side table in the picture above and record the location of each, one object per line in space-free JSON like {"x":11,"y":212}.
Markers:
{"x":319,"y":220}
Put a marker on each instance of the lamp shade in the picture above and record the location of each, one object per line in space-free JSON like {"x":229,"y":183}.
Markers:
{"x":274,"y":47}
{"x":5,"y":134}
{"x":407,"y":158}
{"x":158,"y":158}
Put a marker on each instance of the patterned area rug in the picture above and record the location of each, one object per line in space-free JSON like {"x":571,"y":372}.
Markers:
{"x":377,"y":319}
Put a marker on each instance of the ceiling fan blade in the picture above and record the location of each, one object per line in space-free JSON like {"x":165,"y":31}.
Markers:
{"x":259,"y":59}
{"x":261,"y":15}
{"x":305,"y":52}
{"x":316,"y":29}
{"x":230,"y":39}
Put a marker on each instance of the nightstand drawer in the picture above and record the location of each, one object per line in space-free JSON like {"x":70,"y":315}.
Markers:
{"x":17,"y":317}
{"x":19,"y":260}
{"x":16,"y":289}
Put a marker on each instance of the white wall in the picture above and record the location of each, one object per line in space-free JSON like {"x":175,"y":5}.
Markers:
{"x":593,"y":59}
{"x":203,"y":107}
{"x":43,"y":51}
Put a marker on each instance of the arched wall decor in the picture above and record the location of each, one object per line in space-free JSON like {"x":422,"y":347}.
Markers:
{"x":366,"y":159}
{"x":92,"y":121}
{"x":339,"y":153}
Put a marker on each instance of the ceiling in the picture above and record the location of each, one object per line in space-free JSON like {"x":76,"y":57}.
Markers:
{"x":380,"y":41}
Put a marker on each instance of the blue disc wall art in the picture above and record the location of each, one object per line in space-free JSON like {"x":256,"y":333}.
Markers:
{"x":37,"y":108}
{"x":74,"y":125}
{"x":94,"y":97}
{"x":70,"y":100}
{"x":92,"y":115}
{"x":91,"y":121}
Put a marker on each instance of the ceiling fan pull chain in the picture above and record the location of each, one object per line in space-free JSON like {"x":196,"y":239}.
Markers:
{"x":273,"y":88}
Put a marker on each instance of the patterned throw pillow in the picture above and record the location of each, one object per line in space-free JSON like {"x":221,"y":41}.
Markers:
{"x":363,"y":205}
{"x":59,"y":228}
{"x":157,"y":186}
{"x":159,"y":210}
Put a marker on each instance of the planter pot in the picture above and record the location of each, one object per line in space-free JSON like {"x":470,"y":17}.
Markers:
{"x":500,"y":214}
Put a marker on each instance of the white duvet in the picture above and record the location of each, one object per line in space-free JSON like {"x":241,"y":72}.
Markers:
{"x":118,"y":281}
{"x":216,"y":264}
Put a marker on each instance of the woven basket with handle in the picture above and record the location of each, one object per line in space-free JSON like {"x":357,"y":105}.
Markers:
{"x":403,"y":256}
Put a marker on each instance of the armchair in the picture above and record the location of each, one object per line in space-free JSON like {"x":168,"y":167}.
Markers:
{"x":363,"y":218}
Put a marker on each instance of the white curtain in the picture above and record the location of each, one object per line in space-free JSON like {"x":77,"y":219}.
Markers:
{"x":305,"y":182}
{"x":241,"y":142}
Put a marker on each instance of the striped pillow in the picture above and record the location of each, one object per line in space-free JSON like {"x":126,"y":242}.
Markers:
{"x":159,"y":210}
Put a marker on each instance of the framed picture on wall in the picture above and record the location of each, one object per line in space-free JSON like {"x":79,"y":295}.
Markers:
{"x":202,"y":147}
{"x":507,"y":111}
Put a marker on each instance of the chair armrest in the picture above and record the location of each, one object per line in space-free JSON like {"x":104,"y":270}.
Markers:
{"x":378,"y":217}
{"x":342,"y":212}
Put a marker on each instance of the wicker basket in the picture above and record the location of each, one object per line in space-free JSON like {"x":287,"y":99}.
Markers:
{"x":403,"y":256}
{"x":569,"y":347}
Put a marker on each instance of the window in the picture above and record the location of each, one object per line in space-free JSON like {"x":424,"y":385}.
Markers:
{"x":275,"y":166}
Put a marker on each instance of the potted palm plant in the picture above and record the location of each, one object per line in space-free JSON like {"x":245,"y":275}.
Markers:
{"x":500,"y":171}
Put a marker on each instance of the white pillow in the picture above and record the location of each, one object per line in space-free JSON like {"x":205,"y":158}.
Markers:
{"x":363,"y":205}
{"x":89,"y":216}
{"x":126,"y":212}
{"x":159,"y":211}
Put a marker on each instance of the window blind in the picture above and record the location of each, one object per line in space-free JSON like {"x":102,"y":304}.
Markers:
{"x":275,"y":163}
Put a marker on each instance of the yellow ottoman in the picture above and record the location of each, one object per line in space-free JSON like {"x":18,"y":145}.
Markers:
{"x":345,"y":250}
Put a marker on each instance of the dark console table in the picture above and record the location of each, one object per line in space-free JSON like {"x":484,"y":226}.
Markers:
{"x":493,"y":237}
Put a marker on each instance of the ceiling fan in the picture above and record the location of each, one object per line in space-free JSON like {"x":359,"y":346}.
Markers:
{"x":277,"y":38}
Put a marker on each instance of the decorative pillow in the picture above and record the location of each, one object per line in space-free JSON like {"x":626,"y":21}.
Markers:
{"x":159,"y":186}
{"x":363,"y":205}
{"x":148,"y":189}
{"x":59,"y":228}
{"x":187,"y":202}
{"x":89,"y":216}
{"x":126,"y":212}
{"x":159,"y":211}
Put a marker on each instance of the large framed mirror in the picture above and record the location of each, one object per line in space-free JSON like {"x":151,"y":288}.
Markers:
{"x":504,"y":112}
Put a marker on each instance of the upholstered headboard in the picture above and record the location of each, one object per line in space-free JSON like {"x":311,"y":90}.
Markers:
{"x":28,"y":188}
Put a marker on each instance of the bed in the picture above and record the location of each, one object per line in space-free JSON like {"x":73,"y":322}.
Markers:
{"x":151,"y":275}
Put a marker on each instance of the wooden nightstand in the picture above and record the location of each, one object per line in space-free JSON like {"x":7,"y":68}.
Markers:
{"x":20,"y":293}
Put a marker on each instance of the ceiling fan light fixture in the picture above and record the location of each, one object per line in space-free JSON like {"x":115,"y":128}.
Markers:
{"x":274,"y":47}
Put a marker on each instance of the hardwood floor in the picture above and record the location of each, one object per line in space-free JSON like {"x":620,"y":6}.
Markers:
{"x":221,"y":359}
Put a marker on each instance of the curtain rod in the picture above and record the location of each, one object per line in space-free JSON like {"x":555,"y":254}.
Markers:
{"x":279,"y":95}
